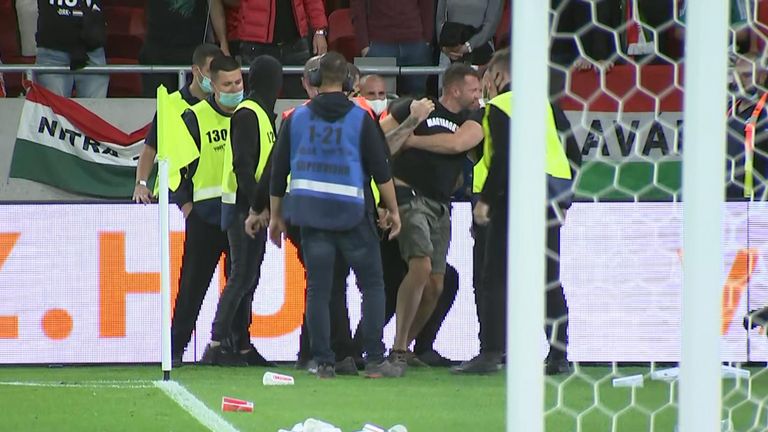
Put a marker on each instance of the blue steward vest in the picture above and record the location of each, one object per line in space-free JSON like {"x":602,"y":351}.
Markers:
{"x":327,"y":178}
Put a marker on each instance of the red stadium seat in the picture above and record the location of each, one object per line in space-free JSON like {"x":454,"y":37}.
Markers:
{"x":341,"y":34}
{"x":123,"y":46}
{"x":9,"y":31}
{"x":124,"y":85}
{"x":761,"y":21}
{"x":10,"y":48}
{"x":123,"y":20}
{"x":13,"y":86}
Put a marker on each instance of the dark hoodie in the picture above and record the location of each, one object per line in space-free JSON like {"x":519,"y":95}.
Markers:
{"x":331,"y":107}
{"x":265,"y":78}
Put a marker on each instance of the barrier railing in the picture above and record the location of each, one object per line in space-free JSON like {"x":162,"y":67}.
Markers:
{"x":183,"y":70}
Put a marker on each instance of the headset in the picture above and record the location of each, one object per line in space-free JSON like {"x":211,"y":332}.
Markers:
{"x":315,"y":78}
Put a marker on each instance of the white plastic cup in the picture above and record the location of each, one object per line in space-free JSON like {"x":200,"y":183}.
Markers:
{"x":629,"y":381}
{"x":273,"y":378}
{"x":314,"y":425}
{"x":398,"y":428}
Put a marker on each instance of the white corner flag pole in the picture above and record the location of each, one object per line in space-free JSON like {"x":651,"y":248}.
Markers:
{"x":703,"y":191}
{"x":527,"y":213}
{"x":165,"y":270}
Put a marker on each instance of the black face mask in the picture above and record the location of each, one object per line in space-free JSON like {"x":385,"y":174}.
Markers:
{"x":265,"y":78}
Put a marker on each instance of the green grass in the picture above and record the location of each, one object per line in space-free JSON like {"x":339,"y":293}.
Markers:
{"x":426,"y":400}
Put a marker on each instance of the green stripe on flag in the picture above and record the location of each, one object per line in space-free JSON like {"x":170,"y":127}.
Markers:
{"x":62,"y":170}
{"x":624,"y":181}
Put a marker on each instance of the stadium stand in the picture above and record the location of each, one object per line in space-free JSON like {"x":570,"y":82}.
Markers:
{"x":10,"y":48}
{"x":341,"y":34}
{"x":126,"y":28}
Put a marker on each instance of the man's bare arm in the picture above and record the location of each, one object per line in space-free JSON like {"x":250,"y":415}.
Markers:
{"x":397,"y":134}
{"x":467,"y":137}
{"x":142,"y":193}
{"x":396,"y":138}
{"x":218,"y":19}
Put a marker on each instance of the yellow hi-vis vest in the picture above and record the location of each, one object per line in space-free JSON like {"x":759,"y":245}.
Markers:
{"x":266,"y":140}
{"x":214,"y":140}
{"x":556,"y":161}
{"x":173,"y":140}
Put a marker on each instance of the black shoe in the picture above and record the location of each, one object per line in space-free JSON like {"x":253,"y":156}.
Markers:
{"x":433,"y":358}
{"x":384,"y":369}
{"x":557,"y":366}
{"x":756,"y":318}
{"x":325,"y":371}
{"x":253,"y":358}
{"x":217,"y":355}
{"x":483,"y":363}
{"x":414,"y":360}
{"x":346,"y":366}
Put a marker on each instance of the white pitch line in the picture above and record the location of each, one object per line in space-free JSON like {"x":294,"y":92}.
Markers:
{"x":84,"y":384}
{"x":194,"y":406}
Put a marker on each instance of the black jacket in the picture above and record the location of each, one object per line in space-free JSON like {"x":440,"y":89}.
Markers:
{"x":265,"y":78}
{"x":73,"y":29}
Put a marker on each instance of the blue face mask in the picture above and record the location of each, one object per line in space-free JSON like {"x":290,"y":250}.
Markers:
{"x":231,"y":100}
{"x":205,"y":84}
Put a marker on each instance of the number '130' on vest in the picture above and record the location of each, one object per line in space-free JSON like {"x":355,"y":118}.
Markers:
{"x":214,"y":140}
{"x":327,"y":178}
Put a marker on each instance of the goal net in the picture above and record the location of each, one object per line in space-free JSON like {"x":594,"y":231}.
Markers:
{"x":616,"y":71}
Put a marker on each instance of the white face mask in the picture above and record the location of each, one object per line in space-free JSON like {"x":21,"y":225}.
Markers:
{"x":378,"y":105}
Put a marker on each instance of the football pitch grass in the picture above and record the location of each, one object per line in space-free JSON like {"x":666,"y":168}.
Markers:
{"x":127,"y":398}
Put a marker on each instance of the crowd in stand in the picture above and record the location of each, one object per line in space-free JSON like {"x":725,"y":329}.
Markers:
{"x":585,"y":35}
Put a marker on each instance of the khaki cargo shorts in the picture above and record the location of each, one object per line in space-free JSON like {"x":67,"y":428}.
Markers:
{"x":426,"y":231}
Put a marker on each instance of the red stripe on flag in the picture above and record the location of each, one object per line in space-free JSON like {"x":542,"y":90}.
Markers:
{"x":633,"y":29}
{"x":85,"y":120}
{"x":627,"y":88}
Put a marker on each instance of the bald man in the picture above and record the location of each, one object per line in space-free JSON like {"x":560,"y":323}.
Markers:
{"x":374,"y":90}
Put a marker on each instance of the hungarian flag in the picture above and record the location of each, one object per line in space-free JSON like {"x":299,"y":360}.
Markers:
{"x":62,"y":144}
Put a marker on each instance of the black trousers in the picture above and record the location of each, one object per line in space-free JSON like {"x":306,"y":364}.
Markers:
{"x":289,"y":54}
{"x":479,"y":233}
{"x":233,"y":314}
{"x":494,"y":287}
{"x":203,"y":245}
{"x":556,"y":306}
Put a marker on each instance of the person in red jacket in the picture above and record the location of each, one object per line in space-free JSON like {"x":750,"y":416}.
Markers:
{"x":402,"y":29}
{"x":232,"y":17}
{"x":280,"y":29}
